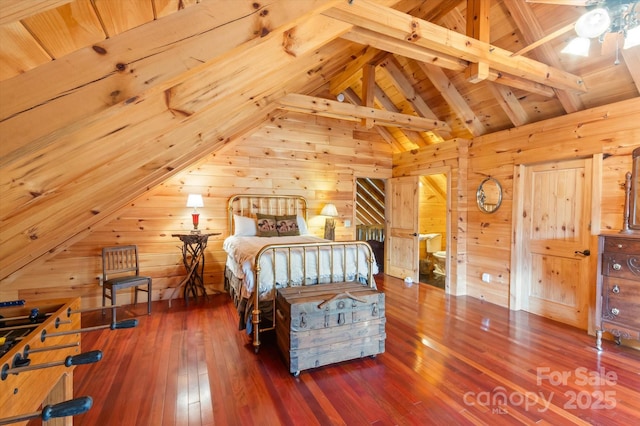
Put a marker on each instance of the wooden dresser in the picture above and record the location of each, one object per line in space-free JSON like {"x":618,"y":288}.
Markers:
{"x":618,"y":287}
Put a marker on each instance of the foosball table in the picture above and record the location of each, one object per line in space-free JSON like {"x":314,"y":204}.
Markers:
{"x":40,"y":345}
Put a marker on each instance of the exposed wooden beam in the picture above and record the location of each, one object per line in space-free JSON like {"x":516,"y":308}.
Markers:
{"x":532,"y":31}
{"x":368,"y":90}
{"x":519,"y":83}
{"x":406,"y":88}
{"x":400,"y":139}
{"x":632,"y":60}
{"x":382,"y":131}
{"x":120,"y":69}
{"x":509,"y":104}
{"x":478,"y":28}
{"x":557,"y":33}
{"x":388,"y":105}
{"x":394,"y":69}
{"x":454,"y":98}
{"x":412,"y":30}
{"x":343,"y":111}
{"x":162,"y":127}
{"x":399,"y":47}
{"x":353,"y":71}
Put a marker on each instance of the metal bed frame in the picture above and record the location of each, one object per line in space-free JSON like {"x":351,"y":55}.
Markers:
{"x":250,"y":205}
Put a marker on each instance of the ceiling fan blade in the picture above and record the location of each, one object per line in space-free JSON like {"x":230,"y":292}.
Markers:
{"x":609,"y":44}
{"x":565,"y":2}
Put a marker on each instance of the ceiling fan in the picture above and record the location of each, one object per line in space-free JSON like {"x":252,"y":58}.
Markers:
{"x":612,"y":22}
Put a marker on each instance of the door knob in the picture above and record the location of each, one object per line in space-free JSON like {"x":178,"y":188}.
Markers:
{"x":415,"y":234}
{"x":586,"y":252}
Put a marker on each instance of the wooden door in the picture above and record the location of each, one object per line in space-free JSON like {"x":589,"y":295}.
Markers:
{"x":556,"y":231}
{"x":402,"y":249}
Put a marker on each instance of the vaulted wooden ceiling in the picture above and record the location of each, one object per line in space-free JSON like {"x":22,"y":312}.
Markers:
{"x":125,"y":93}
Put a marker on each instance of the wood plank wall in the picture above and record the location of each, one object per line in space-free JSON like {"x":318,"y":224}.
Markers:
{"x":433,"y":210}
{"x":611,"y":130}
{"x":295,"y":154}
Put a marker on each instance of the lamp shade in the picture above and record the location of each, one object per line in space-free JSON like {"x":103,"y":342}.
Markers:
{"x":329,"y":210}
{"x":195,"y":201}
{"x":593,"y":24}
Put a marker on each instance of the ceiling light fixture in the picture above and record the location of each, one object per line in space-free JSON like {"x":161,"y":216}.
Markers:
{"x":578,"y":46}
{"x":610,"y":16}
{"x":593,"y":24}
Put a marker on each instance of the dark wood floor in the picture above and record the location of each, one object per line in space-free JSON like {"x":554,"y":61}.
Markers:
{"x":448,"y":360}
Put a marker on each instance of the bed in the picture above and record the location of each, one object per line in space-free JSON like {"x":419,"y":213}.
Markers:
{"x":268,"y":230}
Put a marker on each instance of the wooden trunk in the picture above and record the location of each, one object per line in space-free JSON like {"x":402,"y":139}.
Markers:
{"x":328,"y":323}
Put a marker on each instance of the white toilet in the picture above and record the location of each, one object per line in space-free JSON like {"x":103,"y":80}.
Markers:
{"x":440,"y":264}
{"x":433,"y":244}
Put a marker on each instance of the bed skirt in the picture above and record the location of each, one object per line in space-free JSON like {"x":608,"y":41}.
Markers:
{"x":244,"y":306}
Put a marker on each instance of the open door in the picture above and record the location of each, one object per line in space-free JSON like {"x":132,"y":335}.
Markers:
{"x":402,"y":249}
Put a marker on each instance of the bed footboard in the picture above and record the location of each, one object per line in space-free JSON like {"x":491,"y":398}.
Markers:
{"x":303,"y":264}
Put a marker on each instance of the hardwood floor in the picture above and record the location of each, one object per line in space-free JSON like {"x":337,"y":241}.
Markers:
{"x":448,"y":360}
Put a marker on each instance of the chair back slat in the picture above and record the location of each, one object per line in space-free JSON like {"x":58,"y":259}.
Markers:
{"x":119,"y":260}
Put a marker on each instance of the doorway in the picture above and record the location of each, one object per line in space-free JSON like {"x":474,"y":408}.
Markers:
{"x":369,"y":215}
{"x":432,"y":225}
{"x":405,"y":246}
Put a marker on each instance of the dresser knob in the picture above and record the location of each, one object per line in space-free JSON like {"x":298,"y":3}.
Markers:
{"x":615,"y":311}
{"x":617,"y":266}
{"x":615,"y":289}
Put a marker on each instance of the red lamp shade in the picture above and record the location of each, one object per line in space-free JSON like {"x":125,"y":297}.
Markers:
{"x":195,"y":201}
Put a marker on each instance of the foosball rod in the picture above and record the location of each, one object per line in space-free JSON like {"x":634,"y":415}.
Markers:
{"x":79,"y":311}
{"x":28,"y":350}
{"x":47,"y":314}
{"x":129,"y":323}
{"x":35,"y":313}
{"x":19,"y":327}
{"x":68,"y":408}
{"x":84,"y":358}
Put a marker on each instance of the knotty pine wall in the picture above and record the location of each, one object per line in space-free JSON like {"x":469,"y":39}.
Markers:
{"x":295,"y":154}
{"x":433,"y":210}
{"x":485,"y":240}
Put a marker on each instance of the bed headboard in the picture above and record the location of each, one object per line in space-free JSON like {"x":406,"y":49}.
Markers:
{"x":249,"y":205}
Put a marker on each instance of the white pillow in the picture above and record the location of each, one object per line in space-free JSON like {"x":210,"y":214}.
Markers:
{"x":302,"y":225}
{"x":244,"y":226}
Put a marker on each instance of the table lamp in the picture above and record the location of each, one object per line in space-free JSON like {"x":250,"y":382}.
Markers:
{"x":195,"y":201}
{"x":330,"y":211}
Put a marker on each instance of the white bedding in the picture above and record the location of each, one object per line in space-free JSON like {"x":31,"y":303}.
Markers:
{"x":242,"y":251}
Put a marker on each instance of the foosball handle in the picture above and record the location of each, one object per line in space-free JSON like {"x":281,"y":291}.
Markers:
{"x":84,"y":358}
{"x":129,"y":323}
{"x":67,"y":408}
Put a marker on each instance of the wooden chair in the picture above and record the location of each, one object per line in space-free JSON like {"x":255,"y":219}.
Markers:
{"x":120,"y":270}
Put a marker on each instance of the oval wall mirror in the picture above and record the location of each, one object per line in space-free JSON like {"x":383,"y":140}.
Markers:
{"x":489,"y":195}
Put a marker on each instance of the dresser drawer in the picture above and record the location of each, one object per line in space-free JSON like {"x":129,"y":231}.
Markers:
{"x":622,"y":245}
{"x":621,"y":265}
{"x":621,"y":301}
